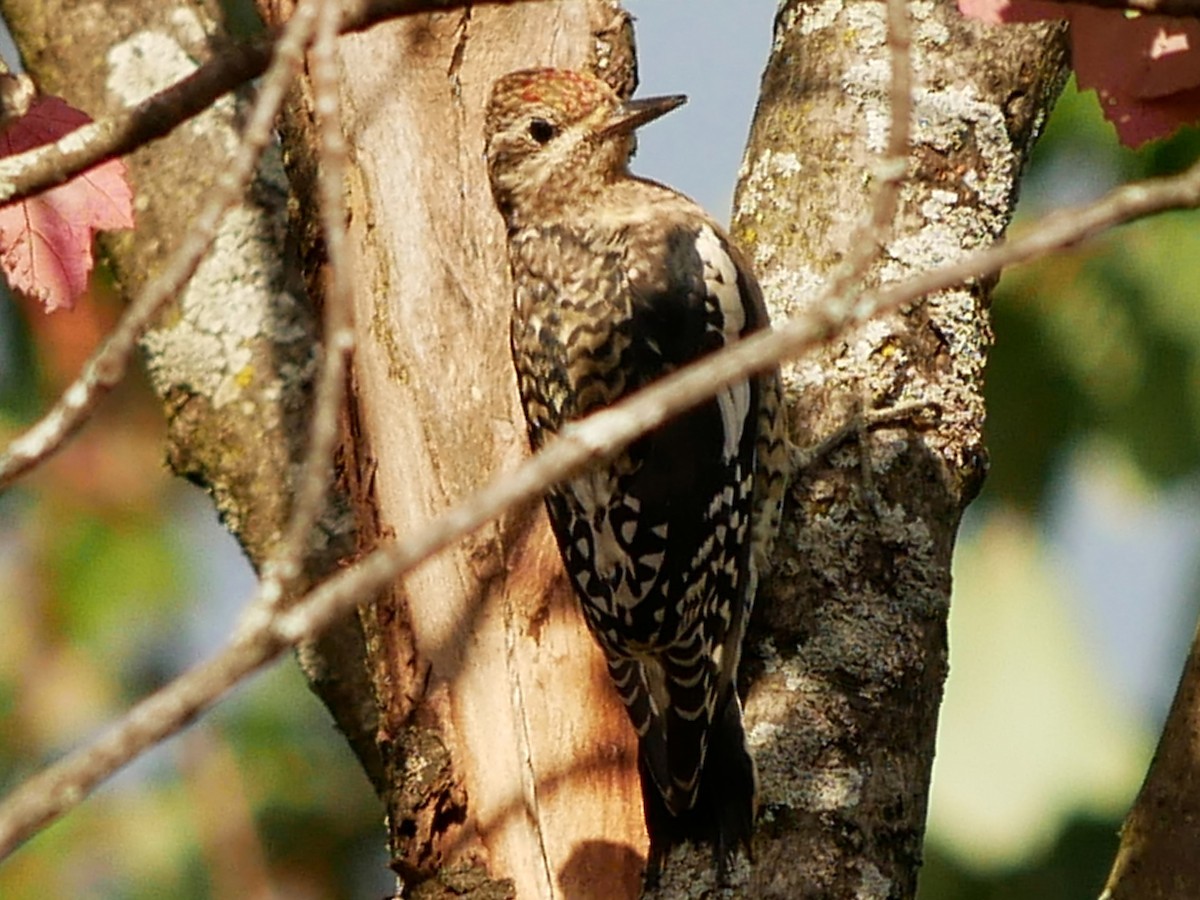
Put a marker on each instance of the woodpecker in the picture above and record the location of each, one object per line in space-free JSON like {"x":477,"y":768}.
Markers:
{"x":617,"y":281}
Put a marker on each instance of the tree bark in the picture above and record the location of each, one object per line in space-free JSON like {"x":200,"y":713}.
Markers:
{"x":509,"y":762}
{"x":1156,"y":859}
{"x":232,"y":357}
{"x":476,"y":656}
{"x":850,"y":642}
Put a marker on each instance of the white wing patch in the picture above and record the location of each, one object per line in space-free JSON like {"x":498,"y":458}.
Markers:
{"x":721,"y":280}
{"x":721,"y":283}
{"x":734,"y":403}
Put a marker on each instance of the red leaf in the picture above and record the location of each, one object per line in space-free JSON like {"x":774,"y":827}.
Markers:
{"x":1145,"y":69}
{"x":46,"y":240}
{"x":998,"y":12}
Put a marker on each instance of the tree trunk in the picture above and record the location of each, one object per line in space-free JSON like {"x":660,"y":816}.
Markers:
{"x":850,"y":651}
{"x":232,"y":357}
{"x":506,"y":751}
{"x":1156,"y":859}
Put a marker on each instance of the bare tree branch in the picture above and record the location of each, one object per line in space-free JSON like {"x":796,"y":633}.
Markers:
{"x":108,"y":364}
{"x":286,"y":563}
{"x":35,"y":170}
{"x":1156,"y":857}
{"x":262,"y":638}
{"x":890,"y":170}
{"x":688,"y":872}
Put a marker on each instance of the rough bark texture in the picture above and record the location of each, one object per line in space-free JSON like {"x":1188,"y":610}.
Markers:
{"x":850,"y":656}
{"x":1157,"y":856}
{"x":233,"y":356}
{"x":509,"y":763}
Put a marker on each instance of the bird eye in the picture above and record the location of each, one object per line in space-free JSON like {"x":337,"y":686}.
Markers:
{"x":541,"y":130}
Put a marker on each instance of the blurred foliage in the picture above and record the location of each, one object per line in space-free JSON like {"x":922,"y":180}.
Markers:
{"x":1073,"y":869}
{"x":105,"y":584}
{"x":1099,"y":343}
{"x":1103,"y":339}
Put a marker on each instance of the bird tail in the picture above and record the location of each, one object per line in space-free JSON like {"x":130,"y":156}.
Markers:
{"x":722,"y":814}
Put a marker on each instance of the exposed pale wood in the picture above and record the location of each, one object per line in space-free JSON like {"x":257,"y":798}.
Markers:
{"x":482,"y":649}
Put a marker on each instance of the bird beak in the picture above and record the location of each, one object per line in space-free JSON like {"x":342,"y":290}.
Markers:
{"x":635,"y":113}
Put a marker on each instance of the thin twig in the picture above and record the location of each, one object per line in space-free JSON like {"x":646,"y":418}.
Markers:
{"x":284,"y":567}
{"x":871,"y":235}
{"x":64,"y":784}
{"x":52,"y":164}
{"x":42,"y":799}
{"x":605,"y":433}
{"x":107,"y":366}
{"x":899,"y":38}
{"x":46,"y":796}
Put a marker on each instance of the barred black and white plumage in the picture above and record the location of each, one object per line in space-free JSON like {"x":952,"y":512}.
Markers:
{"x":618,"y":281}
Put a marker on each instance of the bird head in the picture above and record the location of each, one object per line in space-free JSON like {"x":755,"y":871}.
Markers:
{"x":556,"y":136}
